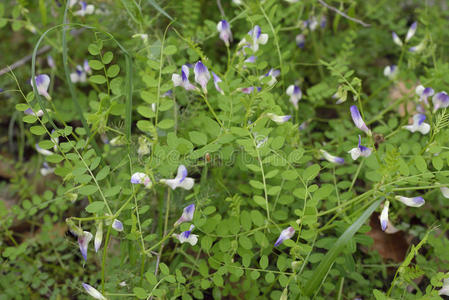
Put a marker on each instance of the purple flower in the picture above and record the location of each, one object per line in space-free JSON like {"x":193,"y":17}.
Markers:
{"x":285,"y":235}
{"x":272,"y":73}
{"x":257,"y":38}
{"x":225,"y":32}
{"x":332,"y":158}
{"x":418,"y":124}
{"x":98,"y":236}
{"x":300,"y":40}
{"x":251,"y":59}
{"x":440,"y":100}
{"x":117,"y":225}
{"x":187,"y":236}
{"x":391,"y":72}
{"x":51,"y":62}
{"x":79,"y":75}
{"x":46,"y":169}
{"x":83,"y":241}
{"x":411,"y":31}
{"x":424,"y":93}
{"x":359,"y":151}
{"x":202,"y":75}
{"x":86,"y":67}
{"x":42,"y":151}
{"x":141,"y":178}
{"x":216,"y":81}
{"x":249,"y":90}
{"x":85,"y":9}
{"x":29,"y":111}
{"x":413,"y":202}
{"x":396,"y":39}
{"x":384,"y":216}
{"x":295,"y":94}
{"x":42,"y":83}
{"x":358,"y":121}
{"x":187,"y":215}
{"x":93,"y":292}
{"x":418,"y":48}
{"x":183,"y":80}
{"x":278,"y":119}
{"x":181,"y":180}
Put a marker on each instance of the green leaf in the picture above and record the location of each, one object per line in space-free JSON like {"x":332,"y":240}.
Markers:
{"x":263,"y":262}
{"x":145,"y":125}
{"x":166,"y":124}
{"x":113,"y":71}
{"x":145,"y":111}
{"x":95,"y":207}
{"x":314,"y":283}
{"x":29,"y":119}
{"x":164,"y":269}
{"x":88,"y":190}
{"x":38,"y":130}
{"x":420,"y":164}
{"x":158,"y":8}
{"x":98,"y":79}
{"x":54,"y":158}
{"x":103,"y":173}
{"x":170,"y":50}
{"x":140,"y":293}
{"x":96,"y":64}
{"x":93,"y":49}
{"x":311,"y":172}
{"x":107,"y":57}
{"x":198,"y":138}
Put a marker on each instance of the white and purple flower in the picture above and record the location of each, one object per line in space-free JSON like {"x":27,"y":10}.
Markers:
{"x":411,"y":31}
{"x":51,"y":62}
{"x":117,"y":225}
{"x":285,"y":235}
{"x":224,"y":29}
{"x":418,"y":48}
{"x":445,"y":288}
{"x":424,"y":93}
{"x":183,"y":79}
{"x":79,"y":75}
{"x":272,"y":74}
{"x":29,"y":111}
{"x":202,"y":75}
{"x":42,"y":151}
{"x":187,"y":215}
{"x":358,"y":121}
{"x":440,"y":100}
{"x":42,"y":84}
{"x":331,"y":158}
{"x":46,"y":169}
{"x":445,"y":191}
{"x":391,"y":72}
{"x":98,"y":236}
{"x":251,"y":59}
{"x":278,"y":119}
{"x":413,"y":202}
{"x":418,"y":124}
{"x":217,"y":80}
{"x":187,"y":236}
{"x":396,"y":39}
{"x":384,"y":216}
{"x":300,"y":40}
{"x":83,"y":241}
{"x":181,"y":180}
{"x":249,"y":90}
{"x":295,"y":94}
{"x":257,"y":38}
{"x":141,"y":178}
{"x":93,"y":292}
{"x":359,"y":151}
{"x":85,"y":9}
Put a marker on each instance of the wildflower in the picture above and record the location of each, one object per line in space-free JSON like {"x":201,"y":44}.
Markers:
{"x":51,"y":62}
{"x":72,"y":2}
{"x":86,"y":67}
{"x":44,"y":152}
{"x":445,"y":289}
{"x":85,"y":9}
{"x":384,"y":216}
{"x":418,"y":124}
{"x":98,"y":236}
{"x":118,"y":141}
{"x":278,"y":119}
{"x":411,"y":31}
{"x":303,"y":125}
{"x":391,"y":72}
{"x":358,"y":121}
{"x":272,"y":74}
{"x":202,"y":75}
{"x":285,"y":235}
{"x":418,"y":48}
{"x":359,"y":151}
{"x":93,"y":292}
{"x":187,"y":236}
{"x":143,"y":146}
{"x":300,"y":40}
{"x":225,"y":31}
{"x":312,"y":23}
{"x":257,"y":38}
{"x":440,"y":100}
{"x":251,"y":59}
{"x":445,"y":191}
{"x":396,"y":39}
{"x":424,"y":93}
{"x":46,"y":169}
{"x":42,"y":83}
{"x":295,"y":94}
{"x":117,"y":225}
{"x":83,"y":241}
{"x":413,"y":202}
{"x":183,"y":80}
{"x":323,"y":22}
{"x":143,"y":36}
{"x":79,"y":75}
{"x":181,"y":180}
{"x":331,"y":158}
{"x":141,"y":178}
{"x":29,"y":111}
{"x":168,"y":93}
{"x":187,"y":215}
{"x":249,"y":90}
{"x":216,"y":81}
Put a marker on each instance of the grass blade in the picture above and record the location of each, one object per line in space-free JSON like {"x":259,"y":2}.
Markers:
{"x":158,"y":8}
{"x":313,"y":284}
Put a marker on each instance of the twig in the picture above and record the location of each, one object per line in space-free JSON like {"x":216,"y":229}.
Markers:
{"x":343,"y":14}
{"x":220,"y":8}
{"x":23,"y":60}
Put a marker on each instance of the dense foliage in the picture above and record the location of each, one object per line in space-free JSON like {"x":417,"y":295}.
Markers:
{"x":306,"y":155}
